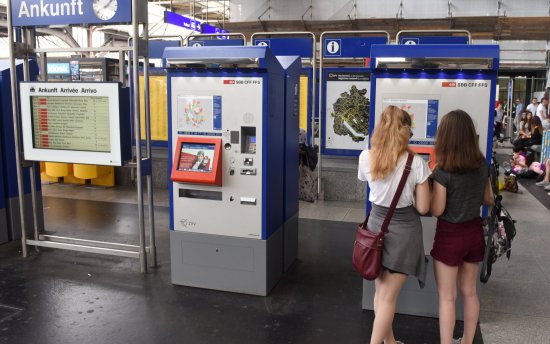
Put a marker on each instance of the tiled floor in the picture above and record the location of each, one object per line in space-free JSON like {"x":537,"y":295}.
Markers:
{"x":515,"y":304}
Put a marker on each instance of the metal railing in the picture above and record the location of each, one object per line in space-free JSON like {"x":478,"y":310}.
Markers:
{"x":82,"y":245}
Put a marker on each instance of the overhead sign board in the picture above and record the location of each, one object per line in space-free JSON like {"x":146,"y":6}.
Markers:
{"x":414,"y":40}
{"x":68,"y":12}
{"x":191,"y":24}
{"x":295,"y":46}
{"x":182,"y":21}
{"x":350,"y":46}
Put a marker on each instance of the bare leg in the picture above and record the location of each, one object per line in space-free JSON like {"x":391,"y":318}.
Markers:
{"x":467,"y":282}
{"x":445,"y":278}
{"x":388,"y":286}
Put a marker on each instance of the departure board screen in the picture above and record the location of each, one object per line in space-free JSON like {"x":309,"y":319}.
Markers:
{"x":78,"y":123}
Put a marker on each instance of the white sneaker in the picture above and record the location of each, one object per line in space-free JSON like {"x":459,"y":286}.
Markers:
{"x":457,"y":341}
{"x":547,"y":187}
{"x":543,"y":183}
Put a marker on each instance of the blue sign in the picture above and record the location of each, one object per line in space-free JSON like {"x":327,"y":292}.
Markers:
{"x":182,"y":21}
{"x":218,"y":42}
{"x":333,"y":47}
{"x":210,"y":29}
{"x":263,"y":43}
{"x":296,"y":46}
{"x":433,"y":114}
{"x":66,"y":12}
{"x":350,"y":46}
{"x":196,"y":43}
{"x":414,"y":40}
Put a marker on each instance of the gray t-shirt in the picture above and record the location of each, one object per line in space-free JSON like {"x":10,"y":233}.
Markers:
{"x":464,"y":193}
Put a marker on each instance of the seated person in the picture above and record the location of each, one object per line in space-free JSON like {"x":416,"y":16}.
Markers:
{"x":546,"y":182}
{"x":518,"y":162}
{"x":533,"y":138}
{"x":524,"y":125}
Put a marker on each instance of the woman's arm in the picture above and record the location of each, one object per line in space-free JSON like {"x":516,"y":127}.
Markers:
{"x":488,"y":198}
{"x":439,"y":199}
{"x":422,"y":197}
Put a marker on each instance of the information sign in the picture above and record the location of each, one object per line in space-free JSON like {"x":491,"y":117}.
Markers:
{"x":78,"y":123}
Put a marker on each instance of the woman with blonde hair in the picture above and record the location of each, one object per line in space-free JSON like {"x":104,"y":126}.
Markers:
{"x":403,"y":254}
{"x":461,"y":185}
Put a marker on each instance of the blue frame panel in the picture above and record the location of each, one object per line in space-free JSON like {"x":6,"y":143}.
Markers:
{"x":405,"y":40}
{"x":299,"y":46}
{"x":340,"y":152}
{"x":8,"y":152}
{"x":456,"y":51}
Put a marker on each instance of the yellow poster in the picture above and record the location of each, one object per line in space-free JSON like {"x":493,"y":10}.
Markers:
{"x":159,"y":109}
{"x":304,"y":94}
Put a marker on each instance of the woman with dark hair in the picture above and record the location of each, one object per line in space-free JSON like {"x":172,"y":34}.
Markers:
{"x":461,"y":185}
{"x":532,"y":138}
{"x":403,"y":253}
{"x":525,"y":124}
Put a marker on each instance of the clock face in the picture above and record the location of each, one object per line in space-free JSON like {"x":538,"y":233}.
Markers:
{"x":105,"y":9}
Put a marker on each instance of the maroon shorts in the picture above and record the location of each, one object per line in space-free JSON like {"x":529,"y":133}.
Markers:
{"x":456,"y":243}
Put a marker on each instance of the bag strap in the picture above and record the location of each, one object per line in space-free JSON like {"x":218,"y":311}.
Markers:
{"x":397,"y":195}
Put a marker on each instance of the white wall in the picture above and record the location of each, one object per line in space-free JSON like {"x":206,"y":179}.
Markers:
{"x":249,"y":10}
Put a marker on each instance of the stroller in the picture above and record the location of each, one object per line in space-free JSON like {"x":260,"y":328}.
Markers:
{"x":500,"y":230}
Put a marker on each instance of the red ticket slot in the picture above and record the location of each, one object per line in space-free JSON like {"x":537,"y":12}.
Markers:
{"x":198,"y":160}
{"x":426,"y":153}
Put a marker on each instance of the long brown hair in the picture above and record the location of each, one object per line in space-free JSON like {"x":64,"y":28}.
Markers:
{"x":389,"y":140}
{"x":456,"y":146}
{"x":536,"y":124}
{"x":528,"y":120}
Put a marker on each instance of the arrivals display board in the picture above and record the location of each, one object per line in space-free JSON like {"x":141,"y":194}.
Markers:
{"x":78,"y":123}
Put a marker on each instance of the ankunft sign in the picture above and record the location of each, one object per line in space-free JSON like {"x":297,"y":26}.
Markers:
{"x":67,"y":12}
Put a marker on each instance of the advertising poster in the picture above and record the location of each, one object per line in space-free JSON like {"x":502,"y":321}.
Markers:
{"x":196,"y":157}
{"x":199,"y":114}
{"x":158,"y":106}
{"x":347,"y":110}
{"x":428,"y":100}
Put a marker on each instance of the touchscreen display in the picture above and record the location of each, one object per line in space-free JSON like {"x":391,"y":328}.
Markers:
{"x":196,"y":157}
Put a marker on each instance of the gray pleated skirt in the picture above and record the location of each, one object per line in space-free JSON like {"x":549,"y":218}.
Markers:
{"x":403,"y":245}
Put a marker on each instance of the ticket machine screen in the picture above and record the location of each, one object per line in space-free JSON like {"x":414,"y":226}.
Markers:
{"x":196,"y":157}
{"x":197,"y":160}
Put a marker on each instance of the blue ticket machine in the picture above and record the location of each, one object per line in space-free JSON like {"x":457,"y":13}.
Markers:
{"x":8,"y":158}
{"x":293,"y":67}
{"x":4,"y":230}
{"x":226,"y":109}
{"x":429,"y":81}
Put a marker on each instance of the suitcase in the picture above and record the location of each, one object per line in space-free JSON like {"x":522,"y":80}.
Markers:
{"x":545,"y":149}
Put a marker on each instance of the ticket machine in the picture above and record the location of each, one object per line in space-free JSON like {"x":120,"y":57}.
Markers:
{"x":226,"y":144}
{"x":4,"y":231}
{"x":429,"y":81}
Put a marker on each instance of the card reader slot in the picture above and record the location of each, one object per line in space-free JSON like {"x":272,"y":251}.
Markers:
{"x":201,"y":194}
